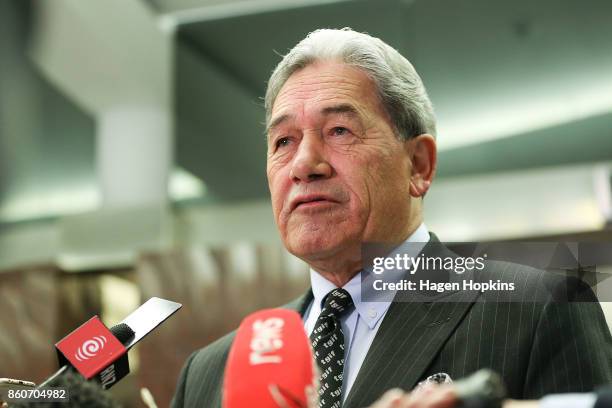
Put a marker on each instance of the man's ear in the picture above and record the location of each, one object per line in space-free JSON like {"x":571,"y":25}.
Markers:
{"x":422,"y":152}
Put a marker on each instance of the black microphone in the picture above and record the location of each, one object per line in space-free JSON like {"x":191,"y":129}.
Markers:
{"x":80,"y":394}
{"x":483,"y":389}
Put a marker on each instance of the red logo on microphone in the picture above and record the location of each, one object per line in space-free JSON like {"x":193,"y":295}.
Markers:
{"x":91,"y":348}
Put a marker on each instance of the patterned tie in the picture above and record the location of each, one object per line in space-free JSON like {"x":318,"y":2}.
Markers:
{"x":328,"y":345}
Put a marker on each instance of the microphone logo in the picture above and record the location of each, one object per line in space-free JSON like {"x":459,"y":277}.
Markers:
{"x":267,"y":338}
{"x":90,"y":348}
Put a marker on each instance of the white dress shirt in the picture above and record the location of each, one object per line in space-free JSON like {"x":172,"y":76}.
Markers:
{"x":361,"y":324}
{"x":586,"y":400}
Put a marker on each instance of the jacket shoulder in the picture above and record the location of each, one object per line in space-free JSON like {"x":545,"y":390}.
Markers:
{"x":537,"y":285}
{"x":201,"y":380}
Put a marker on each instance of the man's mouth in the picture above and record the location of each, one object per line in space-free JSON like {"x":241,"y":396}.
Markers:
{"x":311,"y":201}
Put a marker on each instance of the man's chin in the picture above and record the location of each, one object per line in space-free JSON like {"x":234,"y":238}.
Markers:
{"x":313,"y":250}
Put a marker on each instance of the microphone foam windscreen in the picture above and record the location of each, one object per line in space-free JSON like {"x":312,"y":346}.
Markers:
{"x":122,"y":332}
{"x":270,"y":347}
{"x":81,"y":394}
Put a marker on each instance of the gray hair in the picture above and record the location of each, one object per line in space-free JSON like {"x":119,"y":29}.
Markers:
{"x":400,"y":88}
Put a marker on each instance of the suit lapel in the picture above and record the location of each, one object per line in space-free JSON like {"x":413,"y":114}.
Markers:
{"x":409,"y":338}
{"x":300,"y":304}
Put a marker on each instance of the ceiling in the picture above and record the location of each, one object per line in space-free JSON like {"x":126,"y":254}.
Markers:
{"x":515,"y":85}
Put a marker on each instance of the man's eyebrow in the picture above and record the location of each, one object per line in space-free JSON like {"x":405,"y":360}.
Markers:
{"x":344,"y":109}
{"x":277,"y":122}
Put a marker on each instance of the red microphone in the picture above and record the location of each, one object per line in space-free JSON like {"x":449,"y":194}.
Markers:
{"x":96,"y":351}
{"x":270,"y":348}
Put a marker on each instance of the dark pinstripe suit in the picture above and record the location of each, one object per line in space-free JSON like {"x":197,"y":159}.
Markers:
{"x":537,"y":347}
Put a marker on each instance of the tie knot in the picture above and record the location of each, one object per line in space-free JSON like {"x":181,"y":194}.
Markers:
{"x":337,"y":302}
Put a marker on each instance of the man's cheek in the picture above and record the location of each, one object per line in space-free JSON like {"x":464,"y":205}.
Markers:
{"x":277,"y":202}
{"x":279,"y":214}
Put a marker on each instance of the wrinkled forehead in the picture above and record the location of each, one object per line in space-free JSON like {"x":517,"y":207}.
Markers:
{"x":324,"y":87}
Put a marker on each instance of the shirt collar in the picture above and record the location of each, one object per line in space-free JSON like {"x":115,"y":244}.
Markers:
{"x":370,"y":312}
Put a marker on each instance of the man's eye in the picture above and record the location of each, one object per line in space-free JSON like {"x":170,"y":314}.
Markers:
{"x":282,"y":142}
{"x":339,"y":131}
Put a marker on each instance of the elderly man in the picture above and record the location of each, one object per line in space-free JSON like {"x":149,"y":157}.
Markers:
{"x":351,"y":153}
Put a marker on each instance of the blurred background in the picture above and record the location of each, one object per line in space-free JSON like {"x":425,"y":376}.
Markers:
{"x":132,"y":153}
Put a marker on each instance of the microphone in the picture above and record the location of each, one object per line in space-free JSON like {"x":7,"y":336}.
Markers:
{"x":271,"y":348}
{"x":97,"y":353}
{"x":482,"y":389}
{"x":81,"y":394}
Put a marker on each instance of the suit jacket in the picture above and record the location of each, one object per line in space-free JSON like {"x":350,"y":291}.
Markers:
{"x":538,"y":347}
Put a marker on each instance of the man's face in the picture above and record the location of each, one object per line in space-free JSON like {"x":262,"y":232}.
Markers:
{"x":337,"y":173}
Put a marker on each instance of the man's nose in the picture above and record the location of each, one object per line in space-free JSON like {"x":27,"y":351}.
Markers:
{"x":309,"y":162}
